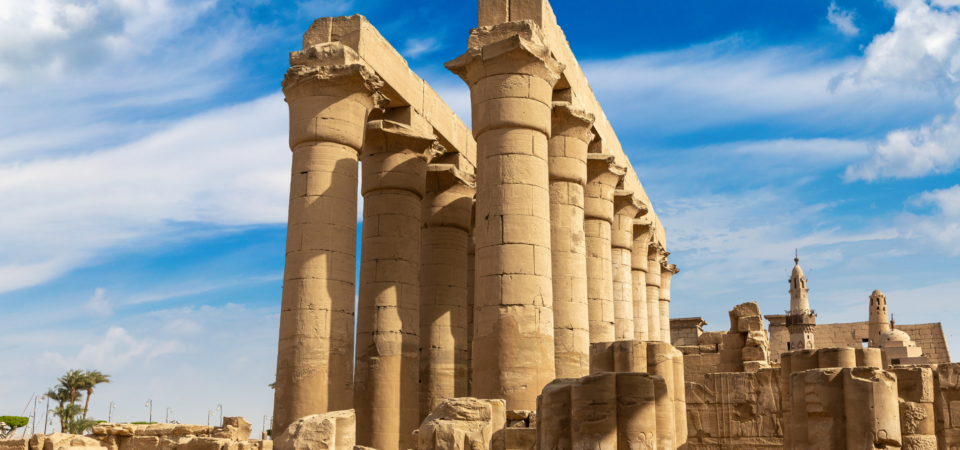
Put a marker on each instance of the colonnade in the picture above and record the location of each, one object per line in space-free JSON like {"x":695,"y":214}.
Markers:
{"x":488,"y":285}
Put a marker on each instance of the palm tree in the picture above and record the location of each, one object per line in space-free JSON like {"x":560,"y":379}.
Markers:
{"x":70,"y":419}
{"x":91,"y":379}
{"x":61,"y":395}
{"x":73,"y":381}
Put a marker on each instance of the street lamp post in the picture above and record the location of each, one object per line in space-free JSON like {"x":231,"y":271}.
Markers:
{"x":113,"y":406}
{"x":169,"y":410}
{"x":35,"y":403}
{"x":150,"y":404}
{"x":46,"y":417}
{"x":220,"y":408}
{"x":265,"y":417}
{"x":209,"y":415}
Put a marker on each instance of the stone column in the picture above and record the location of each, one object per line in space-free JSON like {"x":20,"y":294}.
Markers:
{"x":680,"y":401}
{"x":330,"y":97}
{"x":642,"y":231}
{"x":667,"y":271}
{"x":603,"y":175}
{"x":395,"y":159}
{"x":593,"y":412}
{"x":568,"y":175}
{"x":443,"y":284}
{"x":626,"y":208}
{"x":636,"y":411}
{"x":471,"y":289}
{"x":511,"y":78}
{"x":654,"y":255}
{"x":660,"y":362}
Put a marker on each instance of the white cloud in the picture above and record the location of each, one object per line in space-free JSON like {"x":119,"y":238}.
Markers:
{"x":228,"y":167}
{"x":842,"y":19}
{"x":911,"y":153}
{"x":47,"y":38}
{"x":417,"y":47}
{"x":941,"y":230}
{"x":99,"y":304}
{"x":116,"y":350}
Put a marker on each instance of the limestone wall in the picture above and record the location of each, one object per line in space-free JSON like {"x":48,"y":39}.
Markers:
{"x":928,"y":336}
{"x":735,"y":410}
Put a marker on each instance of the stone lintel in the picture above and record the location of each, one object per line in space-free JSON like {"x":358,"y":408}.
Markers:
{"x":401,"y":85}
{"x":688,"y":322}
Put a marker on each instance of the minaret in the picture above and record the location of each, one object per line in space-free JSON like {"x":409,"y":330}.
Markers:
{"x":800,"y":319}
{"x":878,"y":317}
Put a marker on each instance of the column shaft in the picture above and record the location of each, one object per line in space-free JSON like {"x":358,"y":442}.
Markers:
{"x":471,"y":291}
{"x":626,"y":208}
{"x":653,"y":292}
{"x":395,"y":161}
{"x":330,"y":100}
{"x":511,"y":81}
{"x":667,"y":271}
{"x":443,"y":283}
{"x":603,"y":175}
{"x":568,"y":174}
{"x":641,"y":236}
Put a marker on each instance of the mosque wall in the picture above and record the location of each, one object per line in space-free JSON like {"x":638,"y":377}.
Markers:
{"x":928,"y":336}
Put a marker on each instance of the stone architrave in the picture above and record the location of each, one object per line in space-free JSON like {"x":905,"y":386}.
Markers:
{"x":667,"y":271}
{"x":443,"y":285}
{"x":394,"y":162}
{"x":603,"y":175}
{"x":655,"y":254}
{"x":330,"y":93}
{"x":626,"y":208}
{"x":568,"y":174}
{"x":642,"y":233}
{"x":511,"y":74}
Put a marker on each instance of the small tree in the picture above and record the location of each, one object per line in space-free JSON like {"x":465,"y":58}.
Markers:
{"x":9,"y":424}
{"x":61,"y":395}
{"x":71,"y":416}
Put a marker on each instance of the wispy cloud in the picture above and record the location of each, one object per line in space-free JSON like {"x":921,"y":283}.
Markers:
{"x":417,"y":47}
{"x":224,"y":168}
{"x":99,"y":304}
{"x":842,"y":19}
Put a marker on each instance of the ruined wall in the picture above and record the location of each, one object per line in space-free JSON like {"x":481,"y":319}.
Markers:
{"x":928,"y":336}
{"x":735,"y":410}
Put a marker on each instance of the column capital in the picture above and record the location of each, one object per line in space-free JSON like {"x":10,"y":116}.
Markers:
{"x":655,"y":252}
{"x":625,"y":204}
{"x":567,"y":120}
{"x":644,"y":227}
{"x":395,"y":156}
{"x":605,"y":166}
{"x":385,"y":136}
{"x":507,"y":48}
{"x":449,"y":198}
{"x":333,"y":70}
{"x":668,"y":270}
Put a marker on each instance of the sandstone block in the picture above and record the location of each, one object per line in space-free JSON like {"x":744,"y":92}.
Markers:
{"x":159,"y":429}
{"x":914,"y":384}
{"x":242,"y":427}
{"x":520,"y":438}
{"x":202,"y":443}
{"x":192,"y":430}
{"x":334,"y":430}
{"x":689,"y":349}
{"x":731,"y":355}
{"x":746,"y":309}
{"x":518,"y":414}
{"x":709,"y":348}
{"x":36,"y":441}
{"x":141,"y":443}
{"x":711,"y":338}
{"x":458,"y":423}
{"x":733,"y":341}
{"x":754,"y":353}
{"x":756,"y":338}
{"x":517,"y":424}
{"x":755,"y":366}
{"x":750,"y":323}
{"x":14,"y":444}
{"x":57,"y":441}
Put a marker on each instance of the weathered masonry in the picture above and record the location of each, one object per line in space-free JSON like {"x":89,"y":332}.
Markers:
{"x":492,"y":256}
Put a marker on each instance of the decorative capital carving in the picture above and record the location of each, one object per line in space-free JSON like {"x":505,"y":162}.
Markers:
{"x":441,"y":177}
{"x":667,"y":268}
{"x":566,"y":120}
{"x":624,"y":203}
{"x":603,"y":168}
{"x":333,"y":70}
{"x":385,"y":136}
{"x":643,"y":227}
{"x":507,"y":48}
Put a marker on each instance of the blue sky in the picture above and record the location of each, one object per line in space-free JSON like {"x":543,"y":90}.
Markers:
{"x":144,"y":169}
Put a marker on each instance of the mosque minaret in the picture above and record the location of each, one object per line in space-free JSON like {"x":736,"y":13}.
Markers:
{"x":800,"y":319}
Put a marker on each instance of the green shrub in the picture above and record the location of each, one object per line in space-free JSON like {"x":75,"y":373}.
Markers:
{"x":142,"y":423}
{"x":9,"y":424}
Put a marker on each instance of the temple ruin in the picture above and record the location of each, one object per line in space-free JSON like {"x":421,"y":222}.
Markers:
{"x":514,"y":284}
